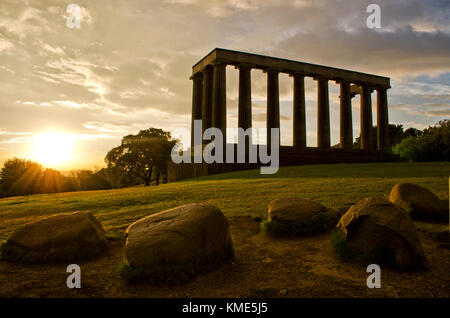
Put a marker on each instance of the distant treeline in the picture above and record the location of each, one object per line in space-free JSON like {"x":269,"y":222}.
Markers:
{"x":22,"y":177}
{"x":429,"y":144}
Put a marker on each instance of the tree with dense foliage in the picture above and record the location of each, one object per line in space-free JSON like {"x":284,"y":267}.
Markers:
{"x":90,"y":180}
{"x":52,"y":181}
{"x":23,"y":177}
{"x":20,"y":177}
{"x":412,"y":132}
{"x":138,"y":155}
{"x":433,"y":144}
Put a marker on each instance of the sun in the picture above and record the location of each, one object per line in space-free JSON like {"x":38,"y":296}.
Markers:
{"x":52,"y":148}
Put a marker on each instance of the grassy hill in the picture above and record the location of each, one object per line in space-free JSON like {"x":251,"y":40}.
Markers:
{"x":236,"y":194}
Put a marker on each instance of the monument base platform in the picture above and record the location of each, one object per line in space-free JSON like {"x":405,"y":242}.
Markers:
{"x":289,"y":156}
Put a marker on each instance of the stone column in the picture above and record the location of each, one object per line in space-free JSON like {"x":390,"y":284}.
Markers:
{"x":323,"y":114}
{"x":366,"y":118}
{"x":196,"y":102}
{"x":346,"y":129}
{"x":219,"y":100}
{"x":207,"y":99}
{"x":245,"y":100}
{"x":273,"y":103}
{"x":382,"y":120}
{"x":299,"y":115}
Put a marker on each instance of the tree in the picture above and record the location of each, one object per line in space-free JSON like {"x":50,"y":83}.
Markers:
{"x":117,"y":179}
{"x":410,"y":148}
{"x":412,"y":132}
{"x":20,"y":177}
{"x":52,"y":181}
{"x":70,"y":182}
{"x":139,"y":154}
{"x":433,"y":144}
{"x":90,"y":180}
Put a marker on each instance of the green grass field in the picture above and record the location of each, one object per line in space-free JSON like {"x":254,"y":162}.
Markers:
{"x":236,"y":194}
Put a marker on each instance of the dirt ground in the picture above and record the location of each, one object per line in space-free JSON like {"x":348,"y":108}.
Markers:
{"x":264,"y":267}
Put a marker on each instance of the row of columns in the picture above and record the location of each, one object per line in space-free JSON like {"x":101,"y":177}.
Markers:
{"x":209,"y":105}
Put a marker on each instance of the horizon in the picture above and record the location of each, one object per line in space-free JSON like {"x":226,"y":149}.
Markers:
{"x":127,"y":67}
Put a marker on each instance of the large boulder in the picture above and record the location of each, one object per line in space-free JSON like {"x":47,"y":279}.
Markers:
{"x":61,"y":237}
{"x":181,"y":241}
{"x":296,"y":217}
{"x":419,"y":201}
{"x":377,"y":230}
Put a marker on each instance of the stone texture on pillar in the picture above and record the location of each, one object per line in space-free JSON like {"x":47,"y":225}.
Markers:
{"x":323,"y":114}
{"x":207,"y":99}
{"x":196,"y":102}
{"x":245,"y":100}
{"x":219,"y":99}
{"x":273,"y":103}
{"x":345,"y":119}
{"x":382,"y":120}
{"x":366,"y":142}
{"x":299,"y":115}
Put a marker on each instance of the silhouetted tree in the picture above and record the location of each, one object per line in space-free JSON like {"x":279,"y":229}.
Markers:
{"x":139,"y":154}
{"x":90,"y":180}
{"x":52,"y":181}
{"x":20,"y":177}
{"x":412,"y":132}
{"x":118,"y":179}
{"x":70,"y":182}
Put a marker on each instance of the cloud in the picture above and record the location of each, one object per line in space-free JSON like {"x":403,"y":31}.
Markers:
{"x":72,"y":104}
{"x":427,"y":109}
{"x":5,"y":45}
{"x":106,"y":127}
{"x":127,"y":68}
{"x":53,"y":50}
{"x":435,"y":113}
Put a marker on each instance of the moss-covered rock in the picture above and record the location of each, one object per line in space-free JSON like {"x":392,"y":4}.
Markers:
{"x":298,"y":217}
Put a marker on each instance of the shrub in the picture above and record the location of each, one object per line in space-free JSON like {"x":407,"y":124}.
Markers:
{"x":339,"y":246}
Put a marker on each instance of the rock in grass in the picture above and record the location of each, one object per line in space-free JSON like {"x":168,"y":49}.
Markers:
{"x":419,"y":201}
{"x":379,"y":231}
{"x":298,"y":217}
{"x":176,"y":244}
{"x":62,"y":237}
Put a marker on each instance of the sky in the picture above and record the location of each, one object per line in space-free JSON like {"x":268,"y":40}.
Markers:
{"x":127,"y":67}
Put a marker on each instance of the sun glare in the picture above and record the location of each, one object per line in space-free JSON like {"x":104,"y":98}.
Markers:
{"x":52,"y":149}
